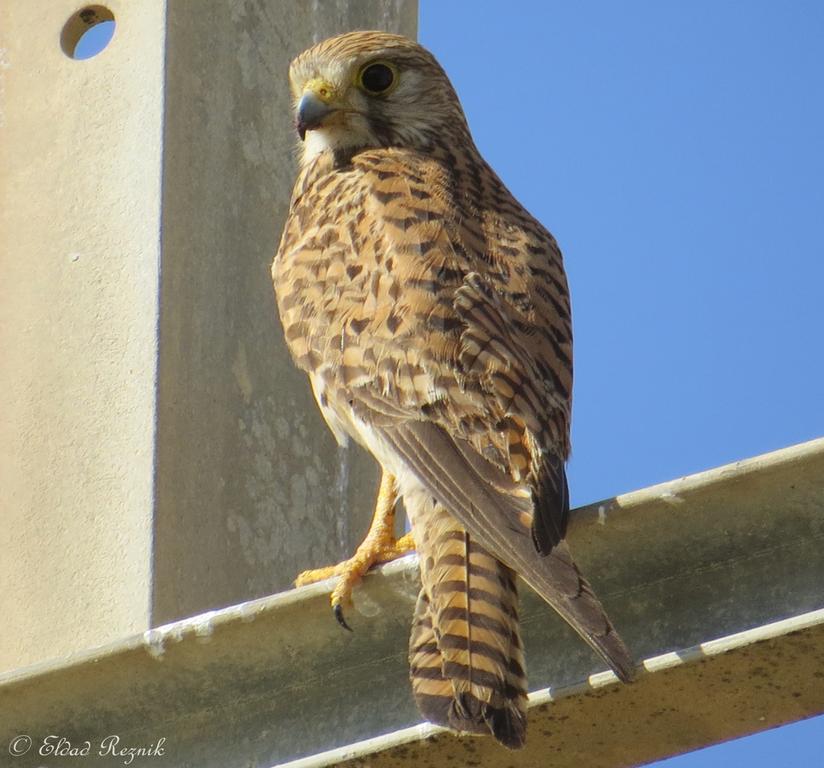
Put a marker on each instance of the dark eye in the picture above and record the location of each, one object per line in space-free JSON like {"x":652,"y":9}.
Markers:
{"x":377,"y":78}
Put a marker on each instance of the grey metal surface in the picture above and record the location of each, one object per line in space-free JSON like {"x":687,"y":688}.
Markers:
{"x":677,"y":565}
{"x":681,"y":701}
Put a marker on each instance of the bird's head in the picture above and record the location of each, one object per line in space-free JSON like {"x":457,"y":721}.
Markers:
{"x":364,"y":90}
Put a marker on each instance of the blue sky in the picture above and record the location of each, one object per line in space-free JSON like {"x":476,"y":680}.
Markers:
{"x":676,"y":151}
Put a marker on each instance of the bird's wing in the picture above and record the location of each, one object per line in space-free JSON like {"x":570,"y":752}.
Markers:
{"x":454,"y":364}
{"x":483,"y":292}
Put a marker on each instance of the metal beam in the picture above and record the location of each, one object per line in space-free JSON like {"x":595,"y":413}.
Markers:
{"x":735,"y":553}
{"x":682,"y":700}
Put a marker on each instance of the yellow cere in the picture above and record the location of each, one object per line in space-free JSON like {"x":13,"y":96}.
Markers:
{"x":323,"y":89}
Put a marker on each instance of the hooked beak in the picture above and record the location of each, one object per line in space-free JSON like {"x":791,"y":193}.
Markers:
{"x":313,"y":108}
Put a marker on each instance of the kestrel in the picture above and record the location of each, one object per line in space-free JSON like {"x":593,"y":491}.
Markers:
{"x":432,"y":314}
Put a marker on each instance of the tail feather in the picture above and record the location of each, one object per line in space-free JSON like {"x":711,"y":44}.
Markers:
{"x":489,"y":504}
{"x":466,"y":657}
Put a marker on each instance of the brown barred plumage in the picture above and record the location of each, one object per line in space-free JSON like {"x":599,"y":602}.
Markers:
{"x":465,"y":653}
{"x":432,"y":315}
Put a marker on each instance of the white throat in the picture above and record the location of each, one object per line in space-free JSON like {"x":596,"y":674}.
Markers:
{"x":319,"y":141}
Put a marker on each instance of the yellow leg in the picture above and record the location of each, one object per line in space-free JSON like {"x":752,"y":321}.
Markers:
{"x":379,"y":546}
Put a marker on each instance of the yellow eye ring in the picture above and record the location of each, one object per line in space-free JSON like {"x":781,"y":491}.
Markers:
{"x":377,"y":77}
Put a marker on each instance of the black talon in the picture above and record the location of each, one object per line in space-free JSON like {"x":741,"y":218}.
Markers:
{"x":338,"y":611}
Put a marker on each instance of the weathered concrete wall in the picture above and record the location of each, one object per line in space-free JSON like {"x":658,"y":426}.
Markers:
{"x":159,"y":455}
{"x":251,"y":485}
{"x":80,"y":153}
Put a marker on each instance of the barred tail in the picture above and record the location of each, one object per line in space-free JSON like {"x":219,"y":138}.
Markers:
{"x":465,"y":652}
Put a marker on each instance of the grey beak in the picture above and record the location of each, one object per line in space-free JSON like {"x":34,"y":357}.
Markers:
{"x":311,"y":112}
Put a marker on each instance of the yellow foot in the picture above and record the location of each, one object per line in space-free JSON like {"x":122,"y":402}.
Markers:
{"x":349,"y":572}
{"x":386,"y":552}
{"x":379,"y":546}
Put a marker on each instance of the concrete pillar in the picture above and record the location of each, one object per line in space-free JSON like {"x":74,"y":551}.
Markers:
{"x":159,"y":455}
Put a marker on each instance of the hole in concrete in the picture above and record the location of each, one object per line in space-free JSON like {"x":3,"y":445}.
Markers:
{"x":87,"y":32}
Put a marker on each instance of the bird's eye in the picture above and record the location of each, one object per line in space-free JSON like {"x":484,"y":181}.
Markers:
{"x":377,"y":77}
